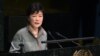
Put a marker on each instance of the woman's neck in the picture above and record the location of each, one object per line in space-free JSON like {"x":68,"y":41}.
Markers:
{"x":34,"y":31}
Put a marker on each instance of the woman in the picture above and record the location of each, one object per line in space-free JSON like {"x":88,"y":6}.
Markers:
{"x":31,"y":35}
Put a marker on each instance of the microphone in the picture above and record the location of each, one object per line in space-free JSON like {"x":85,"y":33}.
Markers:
{"x":21,"y":48}
{"x":66,"y":38}
{"x":54,"y":39}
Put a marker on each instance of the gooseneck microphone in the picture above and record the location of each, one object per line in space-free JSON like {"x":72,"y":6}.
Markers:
{"x":54,"y":39}
{"x":66,"y":38}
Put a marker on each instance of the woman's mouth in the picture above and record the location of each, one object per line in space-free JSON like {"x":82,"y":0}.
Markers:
{"x":37,"y":23}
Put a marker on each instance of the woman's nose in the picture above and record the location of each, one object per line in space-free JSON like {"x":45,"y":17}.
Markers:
{"x":37,"y":18}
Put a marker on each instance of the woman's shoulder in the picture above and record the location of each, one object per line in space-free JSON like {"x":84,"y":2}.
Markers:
{"x":22,"y":30}
{"x":43,"y":30}
{"x":19,"y":33}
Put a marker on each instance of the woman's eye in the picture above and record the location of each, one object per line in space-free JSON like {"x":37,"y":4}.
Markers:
{"x":40,"y":16}
{"x":33,"y":16}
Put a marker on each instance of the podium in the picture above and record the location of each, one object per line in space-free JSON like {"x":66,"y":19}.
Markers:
{"x":68,"y":51}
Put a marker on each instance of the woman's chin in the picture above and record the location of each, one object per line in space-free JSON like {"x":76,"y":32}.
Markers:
{"x":37,"y":26}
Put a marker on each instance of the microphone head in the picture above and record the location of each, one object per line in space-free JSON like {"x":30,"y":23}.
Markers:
{"x":21,"y":44}
{"x":43,"y":41}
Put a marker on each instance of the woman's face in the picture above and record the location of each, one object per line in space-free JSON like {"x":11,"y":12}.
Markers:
{"x":36,"y":19}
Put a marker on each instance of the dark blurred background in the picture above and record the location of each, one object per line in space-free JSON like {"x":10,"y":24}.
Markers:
{"x":71,"y":18}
